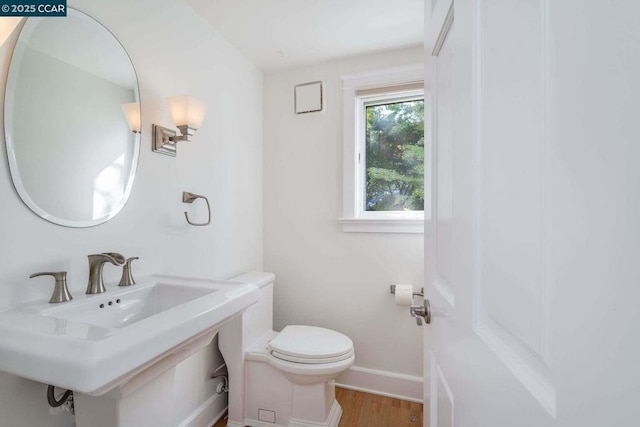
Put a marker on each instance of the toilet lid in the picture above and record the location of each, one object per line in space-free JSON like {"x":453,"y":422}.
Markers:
{"x":310,"y":344}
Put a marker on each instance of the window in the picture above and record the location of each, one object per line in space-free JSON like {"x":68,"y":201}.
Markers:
{"x":384,"y":152}
{"x":394,"y":154}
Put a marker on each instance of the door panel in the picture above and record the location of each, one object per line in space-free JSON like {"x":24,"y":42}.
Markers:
{"x":512,"y":295}
{"x":443,"y":407}
{"x":510,"y":102}
{"x":443,"y":164}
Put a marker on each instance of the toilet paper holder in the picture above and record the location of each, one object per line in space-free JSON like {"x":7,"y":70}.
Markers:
{"x":392,"y":289}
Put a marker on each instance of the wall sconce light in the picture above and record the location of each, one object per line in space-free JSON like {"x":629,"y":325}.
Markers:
{"x":132,"y":113}
{"x":187,"y":113}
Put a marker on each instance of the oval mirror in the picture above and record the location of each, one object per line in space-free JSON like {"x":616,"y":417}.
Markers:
{"x":71,"y":152}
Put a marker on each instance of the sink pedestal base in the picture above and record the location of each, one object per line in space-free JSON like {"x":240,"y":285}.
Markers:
{"x":149,"y":405}
{"x":145,"y":399}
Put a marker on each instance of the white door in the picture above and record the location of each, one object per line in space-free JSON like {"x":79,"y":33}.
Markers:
{"x":533,"y":255}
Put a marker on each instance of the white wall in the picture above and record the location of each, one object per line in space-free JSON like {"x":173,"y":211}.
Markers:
{"x":326,"y":277}
{"x":174,"y":52}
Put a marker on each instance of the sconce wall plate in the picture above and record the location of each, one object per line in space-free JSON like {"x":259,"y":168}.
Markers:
{"x":161,"y":140}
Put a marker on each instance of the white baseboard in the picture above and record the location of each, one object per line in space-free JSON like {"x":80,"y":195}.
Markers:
{"x":208,"y":413}
{"x":383,"y":383}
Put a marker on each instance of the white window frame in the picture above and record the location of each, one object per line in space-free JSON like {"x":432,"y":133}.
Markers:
{"x":354,"y":217}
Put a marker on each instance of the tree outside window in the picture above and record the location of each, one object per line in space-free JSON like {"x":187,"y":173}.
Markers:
{"x":395,"y":156}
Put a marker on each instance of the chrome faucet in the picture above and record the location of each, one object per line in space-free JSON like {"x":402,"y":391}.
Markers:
{"x":96,"y":264}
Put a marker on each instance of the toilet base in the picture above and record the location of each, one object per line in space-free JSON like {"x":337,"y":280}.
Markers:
{"x":333,"y":419}
{"x":274,"y":400}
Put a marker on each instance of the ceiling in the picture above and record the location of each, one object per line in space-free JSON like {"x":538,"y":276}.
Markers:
{"x":286,"y":33}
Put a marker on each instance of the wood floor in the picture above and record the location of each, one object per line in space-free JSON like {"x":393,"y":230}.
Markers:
{"x":369,"y":410}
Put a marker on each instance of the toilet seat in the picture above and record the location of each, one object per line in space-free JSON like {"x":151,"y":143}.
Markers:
{"x":293,"y":359}
{"x":310,"y":345}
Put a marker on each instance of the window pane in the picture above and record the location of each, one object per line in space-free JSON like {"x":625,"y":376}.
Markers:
{"x":395,"y":156}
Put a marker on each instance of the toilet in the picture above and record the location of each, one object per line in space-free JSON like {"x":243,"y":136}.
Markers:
{"x":289,"y":375}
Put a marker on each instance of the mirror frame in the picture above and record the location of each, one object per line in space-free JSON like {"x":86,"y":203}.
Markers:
{"x":10,"y":151}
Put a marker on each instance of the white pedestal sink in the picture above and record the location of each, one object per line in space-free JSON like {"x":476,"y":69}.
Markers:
{"x":117,"y":350}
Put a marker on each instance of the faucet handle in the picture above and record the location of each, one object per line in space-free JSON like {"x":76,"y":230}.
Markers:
{"x":60,"y":291}
{"x":127,"y":277}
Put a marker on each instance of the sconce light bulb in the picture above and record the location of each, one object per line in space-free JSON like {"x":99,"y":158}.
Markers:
{"x":187,"y":111}
{"x":132,"y":114}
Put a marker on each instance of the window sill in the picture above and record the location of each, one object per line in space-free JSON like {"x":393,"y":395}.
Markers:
{"x":382,"y":225}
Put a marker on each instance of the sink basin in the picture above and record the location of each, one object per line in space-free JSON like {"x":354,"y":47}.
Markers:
{"x":128,"y":307}
{"x":95,"y":342}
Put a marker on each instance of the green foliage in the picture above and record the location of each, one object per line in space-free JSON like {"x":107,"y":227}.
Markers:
{"x":395,"y":156}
